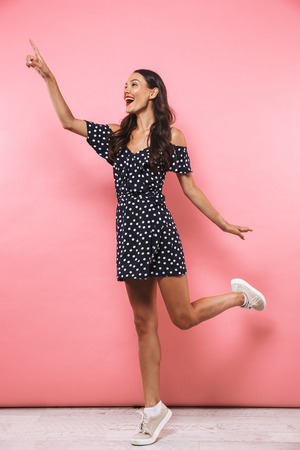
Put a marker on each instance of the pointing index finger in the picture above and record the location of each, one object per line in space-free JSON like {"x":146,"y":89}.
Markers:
{"x":36,"y":50}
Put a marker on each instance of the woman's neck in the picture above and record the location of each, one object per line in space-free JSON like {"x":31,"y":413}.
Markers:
{"x":145,"y":120}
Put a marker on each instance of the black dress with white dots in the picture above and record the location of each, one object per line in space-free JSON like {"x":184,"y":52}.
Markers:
{"x":148,"y":244}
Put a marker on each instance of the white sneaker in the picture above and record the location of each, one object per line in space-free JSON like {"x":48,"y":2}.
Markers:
{"x":150,"y":427}
{"x":253,"y":298}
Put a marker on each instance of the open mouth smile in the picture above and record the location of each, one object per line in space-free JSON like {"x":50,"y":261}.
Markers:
{"x":129,"y":100}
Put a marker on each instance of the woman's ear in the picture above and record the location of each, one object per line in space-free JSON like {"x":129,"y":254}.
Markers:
{"x":154,"y":93}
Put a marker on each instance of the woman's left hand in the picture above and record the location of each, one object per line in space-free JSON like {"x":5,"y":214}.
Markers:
{"x":236,"y":229}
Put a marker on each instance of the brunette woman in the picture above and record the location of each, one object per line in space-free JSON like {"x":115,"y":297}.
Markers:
{"x":141,"y":150}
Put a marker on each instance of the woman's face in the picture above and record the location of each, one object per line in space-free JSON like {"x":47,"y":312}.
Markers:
{"x":137,"y":95}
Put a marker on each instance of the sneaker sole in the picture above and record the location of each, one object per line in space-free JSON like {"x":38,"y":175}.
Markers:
{"x":157,"y":431}
{"x":243,"y":282}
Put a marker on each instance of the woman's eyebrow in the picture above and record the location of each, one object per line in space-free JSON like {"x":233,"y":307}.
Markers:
{"x":135,"y":79}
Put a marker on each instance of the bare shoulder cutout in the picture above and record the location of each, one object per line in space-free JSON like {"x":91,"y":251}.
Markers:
{"x":177,"y":137}
{"x":114,"y":126}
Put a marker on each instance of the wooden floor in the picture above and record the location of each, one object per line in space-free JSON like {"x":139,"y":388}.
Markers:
{"x":111,"y":428}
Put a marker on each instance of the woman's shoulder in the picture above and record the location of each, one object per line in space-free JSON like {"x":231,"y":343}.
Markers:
{"x":177,"y":137}
{"x":114,"y":126}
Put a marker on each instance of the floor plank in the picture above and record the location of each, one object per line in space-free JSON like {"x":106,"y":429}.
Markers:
{"x":111,"y":429}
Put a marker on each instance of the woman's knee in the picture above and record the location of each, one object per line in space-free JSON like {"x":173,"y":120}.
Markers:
{"x":183,"y":321}
{"x":145,"y":325}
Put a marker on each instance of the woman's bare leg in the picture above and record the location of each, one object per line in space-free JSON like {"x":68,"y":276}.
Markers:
{"x":142,"y":296}
{"x":185,"y":314}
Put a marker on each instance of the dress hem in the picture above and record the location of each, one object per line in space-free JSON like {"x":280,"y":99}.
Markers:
{"x":151,"y":276}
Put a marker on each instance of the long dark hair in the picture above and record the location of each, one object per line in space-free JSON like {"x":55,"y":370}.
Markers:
{"x":160,"y":132}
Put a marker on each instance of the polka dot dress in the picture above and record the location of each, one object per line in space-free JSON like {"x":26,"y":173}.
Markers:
{"x":148,"y":244}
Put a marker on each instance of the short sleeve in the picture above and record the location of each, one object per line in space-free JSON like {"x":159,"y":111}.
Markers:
{"x":98,"y":138}
{"x":180,"y":160}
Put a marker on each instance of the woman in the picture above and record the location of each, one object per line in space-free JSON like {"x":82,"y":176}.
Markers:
{"x":149,"y":253}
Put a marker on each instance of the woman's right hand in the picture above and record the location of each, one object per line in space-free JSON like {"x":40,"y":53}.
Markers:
{"x":37,"y":62}
{"x":68,"y":121}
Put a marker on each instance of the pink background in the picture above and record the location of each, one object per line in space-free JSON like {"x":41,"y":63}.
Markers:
{"x":232,"y":69}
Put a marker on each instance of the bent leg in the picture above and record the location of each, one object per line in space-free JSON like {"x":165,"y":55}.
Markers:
{"x":142,"y":296}
{"x":185,"y":314}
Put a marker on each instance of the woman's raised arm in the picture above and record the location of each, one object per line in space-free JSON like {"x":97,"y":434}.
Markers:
{"x":68,"y":121}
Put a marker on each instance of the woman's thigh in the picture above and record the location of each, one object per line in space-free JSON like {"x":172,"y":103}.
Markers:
{"x":175,"y":292}
{"x":142,"y":297}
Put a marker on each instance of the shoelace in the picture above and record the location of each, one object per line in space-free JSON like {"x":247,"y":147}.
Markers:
{"x":144,"y":420}
{"x":254,"y":301}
